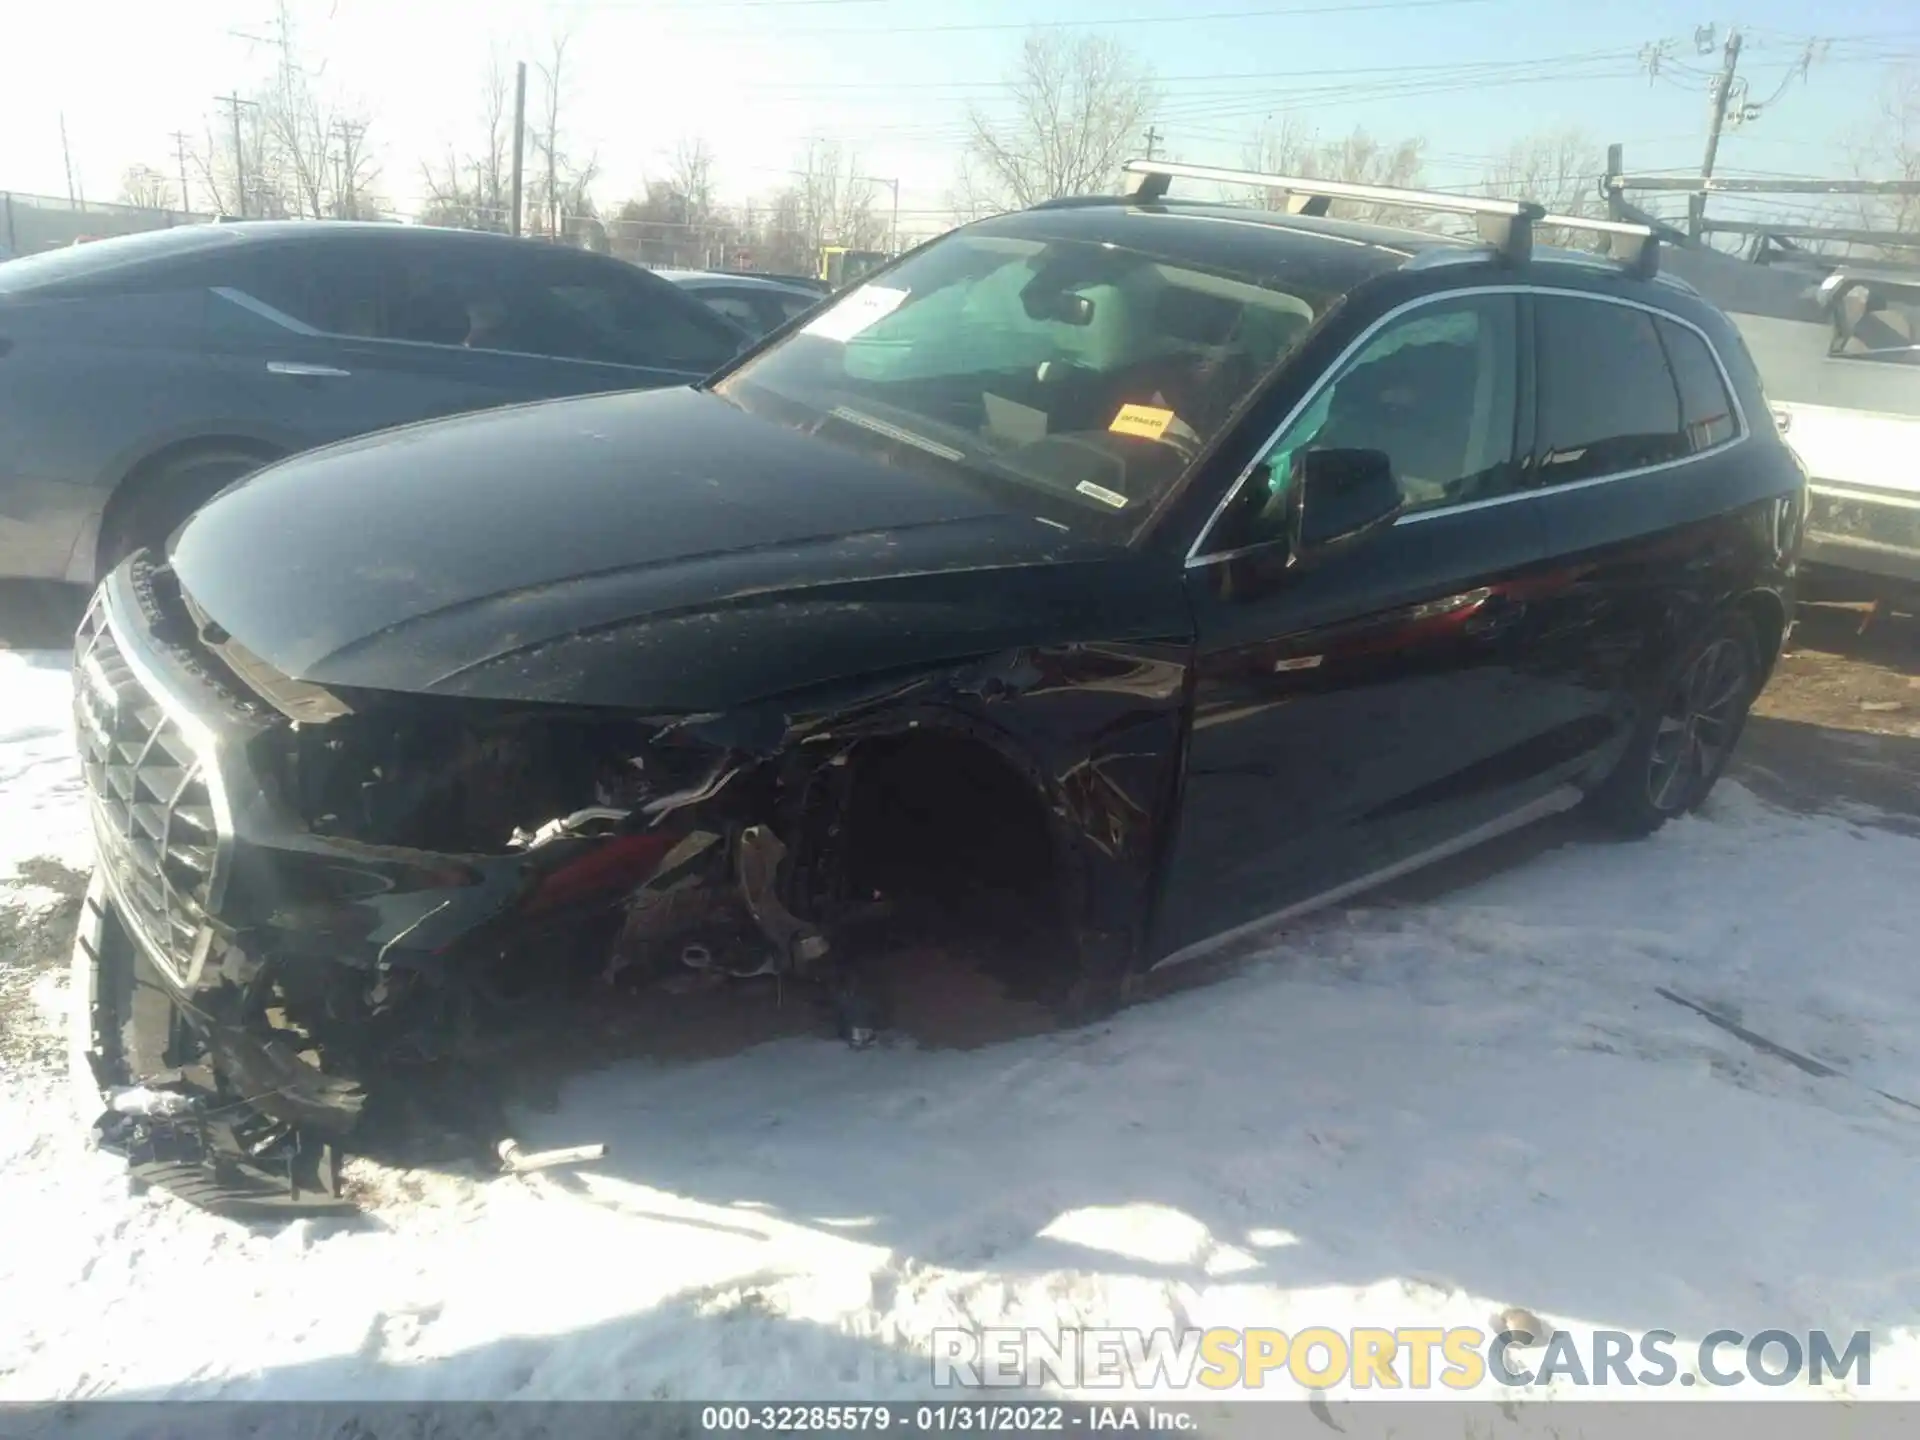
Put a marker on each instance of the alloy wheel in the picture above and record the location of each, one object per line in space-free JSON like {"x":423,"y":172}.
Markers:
{"x":1697,"y":728}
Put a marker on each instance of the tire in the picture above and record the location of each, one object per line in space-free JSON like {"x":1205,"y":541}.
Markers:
{"x":158,"y":500}
{"x":1681,"y":745}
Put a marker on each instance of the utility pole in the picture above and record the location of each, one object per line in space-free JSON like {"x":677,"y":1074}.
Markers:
{"x":1154,"y":137}
{"x":67,"y":155}
{"x":1716,"y":120}
{"x":180,"y":154}
{"x":233,"y":104}
{"x":553,"y":175}
{"x":349,"y":164}
{"x":519,"y":136}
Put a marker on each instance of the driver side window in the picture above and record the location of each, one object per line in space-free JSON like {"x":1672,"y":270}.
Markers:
{"x":1433,"y":391}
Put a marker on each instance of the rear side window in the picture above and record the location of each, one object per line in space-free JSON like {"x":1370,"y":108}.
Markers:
{"x":792,"y":307}
{"x":737,"y":307}
{"x":335,"y":288}
{"x":529,"y":301}
{"x":1705,"y":406}
{"x":616,"y":314}
{"x":1608,"y":401}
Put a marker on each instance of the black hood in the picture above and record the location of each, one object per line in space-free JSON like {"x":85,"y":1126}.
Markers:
{"x":663,"y":550}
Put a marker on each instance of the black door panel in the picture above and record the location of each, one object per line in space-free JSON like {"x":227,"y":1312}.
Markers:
{"x":1648,"y":558}
{"x":1354,"y":712}
{"x":1660,"y":535}
{"x":1349,"y":717}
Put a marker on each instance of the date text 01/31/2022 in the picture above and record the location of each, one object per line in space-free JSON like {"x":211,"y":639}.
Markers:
{"x":942,"y":1418}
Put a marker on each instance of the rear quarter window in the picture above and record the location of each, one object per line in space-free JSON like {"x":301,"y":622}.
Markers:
{"x":1608,"y":401}
{"x":613,"y":314}
{"x":1705,"y":406}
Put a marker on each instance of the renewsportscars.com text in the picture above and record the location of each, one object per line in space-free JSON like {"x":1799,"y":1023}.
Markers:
{"x":1461,"y":1359}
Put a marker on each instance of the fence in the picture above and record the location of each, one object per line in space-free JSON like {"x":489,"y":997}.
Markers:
{"x":31,"y":223}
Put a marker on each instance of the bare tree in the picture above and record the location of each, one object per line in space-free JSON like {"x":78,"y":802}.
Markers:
{"x":1078,"y":105}
{"x":692,"y":185}
{"x":564,"y":189}
{"x":780,"y":240}
{"x":472,"y":189}
{"x":1559,"y":169}
{"x":1890,"y":150}
{"x":147,"y":188}
{"x":835,"y":201}
{"x":354,"y":171}
{"x":301,"y":152}
{"x":237,"y":179}
{"x":693,"y":178}
{"x":318,"y":156}
{"x":1357,"y":159}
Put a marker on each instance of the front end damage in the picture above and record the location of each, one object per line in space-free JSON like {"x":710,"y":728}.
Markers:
{"x":324,"y":920}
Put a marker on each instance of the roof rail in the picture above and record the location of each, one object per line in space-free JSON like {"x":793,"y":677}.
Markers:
{"x":1636,"y":247}
{"x":1507,"y":225}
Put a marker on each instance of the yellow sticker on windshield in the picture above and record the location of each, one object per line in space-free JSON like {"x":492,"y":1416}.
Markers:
{"x":1149,"y":422}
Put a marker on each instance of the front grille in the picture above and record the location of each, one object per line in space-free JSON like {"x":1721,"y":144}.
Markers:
{"x":153,"y":808}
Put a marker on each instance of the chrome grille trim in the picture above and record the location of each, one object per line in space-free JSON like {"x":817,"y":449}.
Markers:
{"x":160,"y":818}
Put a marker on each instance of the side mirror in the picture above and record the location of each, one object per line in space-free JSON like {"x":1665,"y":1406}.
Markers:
{"x":1846,"y":304}
{"x":1338,"y":499}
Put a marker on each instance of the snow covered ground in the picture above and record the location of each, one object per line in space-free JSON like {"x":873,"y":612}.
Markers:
{"x":1404,"y":1114}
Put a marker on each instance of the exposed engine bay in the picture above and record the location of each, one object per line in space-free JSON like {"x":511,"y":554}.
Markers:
{"x":420,"y":892}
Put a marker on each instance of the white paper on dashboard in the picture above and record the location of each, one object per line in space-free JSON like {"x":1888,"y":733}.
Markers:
{"x":863,"y":308}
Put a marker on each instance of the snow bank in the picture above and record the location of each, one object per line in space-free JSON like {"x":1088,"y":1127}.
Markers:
{"x":40,"y":797}
{"x":1415,"y":1114}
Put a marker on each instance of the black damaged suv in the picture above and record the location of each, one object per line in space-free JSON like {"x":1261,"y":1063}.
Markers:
{"x":1095,"y":583}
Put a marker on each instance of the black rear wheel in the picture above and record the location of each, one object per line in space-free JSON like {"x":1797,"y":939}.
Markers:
{"x":1682,"y":743}
{"x":158,"y":500}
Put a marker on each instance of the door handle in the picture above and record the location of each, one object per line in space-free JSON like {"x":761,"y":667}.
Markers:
{"x":301,"y":368}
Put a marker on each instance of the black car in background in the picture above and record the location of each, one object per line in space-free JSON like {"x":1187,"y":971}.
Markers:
{"x":758,"y":304}
{"x":1092,"y":585}
{"x":140,"y":375}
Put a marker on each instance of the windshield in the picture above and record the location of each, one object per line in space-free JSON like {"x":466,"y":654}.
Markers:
{"x":1088,"y":374}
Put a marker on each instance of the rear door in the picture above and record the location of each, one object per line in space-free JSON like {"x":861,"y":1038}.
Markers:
{"x":1643,"y":469}
{"x":1352,"y":716}
{"x":314,"y":326}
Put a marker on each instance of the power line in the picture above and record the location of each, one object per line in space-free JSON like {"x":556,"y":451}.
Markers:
{"x":1113,"y":20}
{"x":1450,"y":68}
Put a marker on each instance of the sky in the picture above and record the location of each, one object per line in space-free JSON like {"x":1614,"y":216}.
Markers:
{"x":891,"y":80}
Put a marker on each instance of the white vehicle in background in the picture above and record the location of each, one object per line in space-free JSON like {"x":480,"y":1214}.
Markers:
{"x":1838,"y":348}
{"x":1858,"y":432}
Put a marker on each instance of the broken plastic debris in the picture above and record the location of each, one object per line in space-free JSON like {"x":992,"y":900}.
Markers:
{"x":520,"y":1162}
{"x":567,"y":825}
{"x":698,"y":957}
{"x":140,"y":1100}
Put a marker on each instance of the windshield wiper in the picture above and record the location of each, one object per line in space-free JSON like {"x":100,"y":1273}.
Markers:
{"x":896,"y":432}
